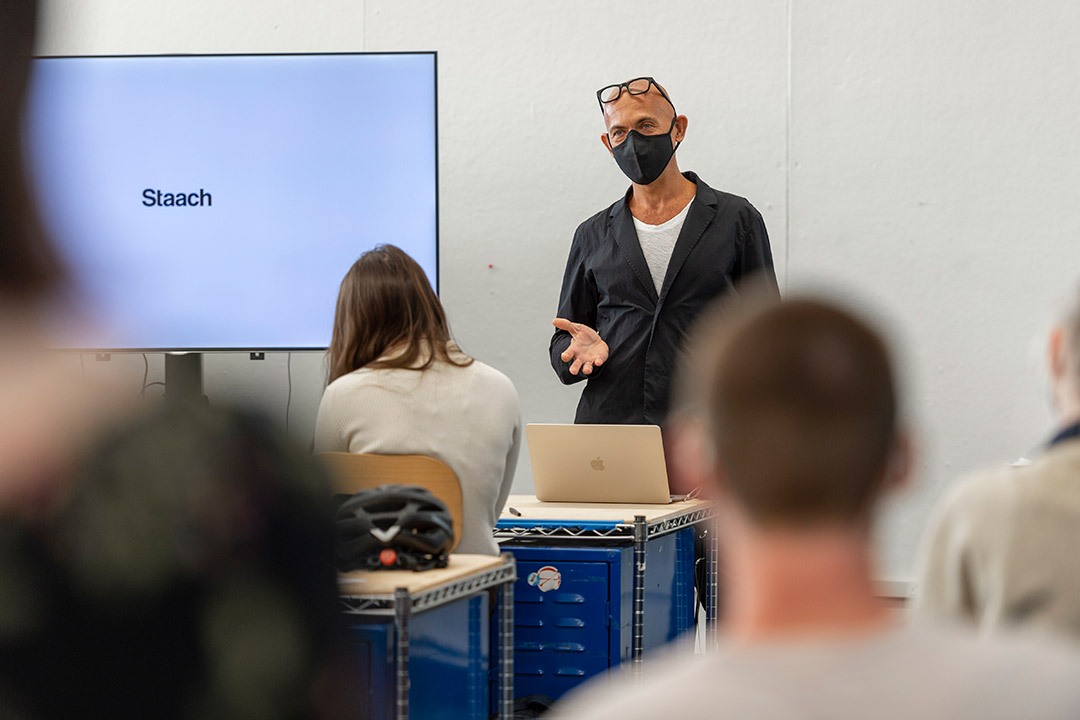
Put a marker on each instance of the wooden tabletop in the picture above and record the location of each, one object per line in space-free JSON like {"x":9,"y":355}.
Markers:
{"x":533,"y":509}
{"x":384,"y":582}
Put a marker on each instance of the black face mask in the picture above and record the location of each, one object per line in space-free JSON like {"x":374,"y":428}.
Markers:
{"x":644,"y":157}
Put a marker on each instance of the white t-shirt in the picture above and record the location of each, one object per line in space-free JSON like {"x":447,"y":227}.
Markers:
{"x":909,"y":673}
{"x":658,"y":242}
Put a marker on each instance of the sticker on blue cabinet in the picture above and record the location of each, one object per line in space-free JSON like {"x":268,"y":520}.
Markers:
{"x":546,"y":579}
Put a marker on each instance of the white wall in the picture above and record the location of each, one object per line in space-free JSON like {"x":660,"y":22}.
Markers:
{"x":919,"y":154}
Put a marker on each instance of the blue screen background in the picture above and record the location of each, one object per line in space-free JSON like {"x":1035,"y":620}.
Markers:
{"x":310,"y":160}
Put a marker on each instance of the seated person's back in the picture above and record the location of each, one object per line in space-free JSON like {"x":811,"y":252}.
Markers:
{"x":400,"y":386}
{"x":789,"y":414}
{"x":1000,"y":551}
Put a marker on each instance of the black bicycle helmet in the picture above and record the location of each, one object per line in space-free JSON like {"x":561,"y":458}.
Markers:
{"x":392,"y":526}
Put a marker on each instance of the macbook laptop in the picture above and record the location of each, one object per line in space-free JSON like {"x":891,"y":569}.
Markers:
{"x":598,"y":463}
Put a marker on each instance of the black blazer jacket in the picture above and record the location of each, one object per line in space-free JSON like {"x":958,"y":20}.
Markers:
{"x":607,"y":286}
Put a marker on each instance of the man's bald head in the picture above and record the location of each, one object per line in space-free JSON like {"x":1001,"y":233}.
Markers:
{"x":656,"y":92}
{"x":629,"y":108}
{"x":649,"y":113}
{"x":801,"y":411}
{"x":1063,"y":361}
{"x":1070,"y":330}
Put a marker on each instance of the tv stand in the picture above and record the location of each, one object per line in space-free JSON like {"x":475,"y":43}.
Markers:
{"x":184,"y":377}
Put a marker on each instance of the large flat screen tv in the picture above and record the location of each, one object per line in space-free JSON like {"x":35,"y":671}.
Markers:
{"x":215,"y":202}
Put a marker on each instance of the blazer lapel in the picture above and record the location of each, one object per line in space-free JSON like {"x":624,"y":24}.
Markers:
{"x":622,"y":228}
{"x":702,"y":212}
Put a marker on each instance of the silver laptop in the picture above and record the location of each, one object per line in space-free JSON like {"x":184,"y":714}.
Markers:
{"x":598,"y":463}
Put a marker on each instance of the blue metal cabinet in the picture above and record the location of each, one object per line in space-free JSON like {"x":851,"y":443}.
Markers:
{"x":449,"y":661}
{"x":573,"y":606}
{"x":563,"y":635}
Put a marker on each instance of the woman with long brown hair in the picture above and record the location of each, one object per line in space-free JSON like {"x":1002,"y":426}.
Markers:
{"x":398,"y":385}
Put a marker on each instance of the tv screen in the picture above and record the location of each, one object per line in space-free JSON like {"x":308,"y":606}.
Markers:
{"x":216,"y":202}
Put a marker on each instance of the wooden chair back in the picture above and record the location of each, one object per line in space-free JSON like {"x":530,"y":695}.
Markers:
{"x":351,"y":472}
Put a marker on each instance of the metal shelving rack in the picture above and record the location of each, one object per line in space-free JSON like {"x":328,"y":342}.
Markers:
{"x":597,"y":529}
{"x":638,"y":532}
{"x":401,"y":605}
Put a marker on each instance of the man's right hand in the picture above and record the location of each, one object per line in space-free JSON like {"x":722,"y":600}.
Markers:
{"x":587,"y":351}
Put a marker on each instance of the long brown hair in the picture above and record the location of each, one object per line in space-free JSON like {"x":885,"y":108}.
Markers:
{"x":29,"y":267}
{"x":386,"y":301}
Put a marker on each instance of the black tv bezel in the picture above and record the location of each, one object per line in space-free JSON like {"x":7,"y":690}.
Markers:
{"x":435,"y":84}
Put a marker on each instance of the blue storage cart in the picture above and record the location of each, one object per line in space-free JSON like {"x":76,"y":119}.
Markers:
{"x":598,"y":584}
{"x":423,"y":640}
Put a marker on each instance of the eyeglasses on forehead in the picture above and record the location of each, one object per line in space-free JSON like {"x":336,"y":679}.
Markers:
{"x":637,"y":86}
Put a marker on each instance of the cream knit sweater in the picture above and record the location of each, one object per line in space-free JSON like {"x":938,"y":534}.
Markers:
{"x":467,"y":417}
{"x":1005,"y":547}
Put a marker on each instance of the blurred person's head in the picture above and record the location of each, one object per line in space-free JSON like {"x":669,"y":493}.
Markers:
{"x":788,"y":410}
{"x":30,"y":270}
{"x":42,"y":412}
{"x":1063,"y":361}
{"x":802,"y":414}
{"x":386,"y":303}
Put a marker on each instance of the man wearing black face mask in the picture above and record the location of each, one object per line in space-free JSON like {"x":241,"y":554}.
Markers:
{"x":640,"y":271}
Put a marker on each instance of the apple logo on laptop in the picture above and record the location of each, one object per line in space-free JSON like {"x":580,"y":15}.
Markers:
{"x":597,"y":464}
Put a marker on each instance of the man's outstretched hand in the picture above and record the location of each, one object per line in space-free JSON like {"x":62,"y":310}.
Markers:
{"x":587,"y":351}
